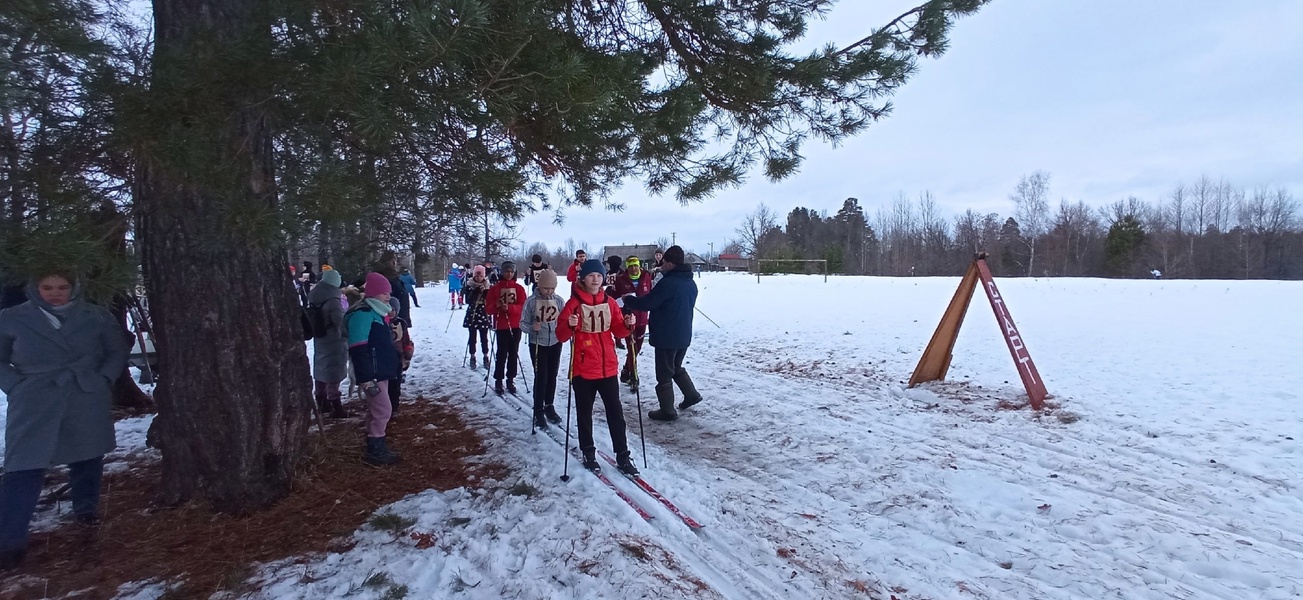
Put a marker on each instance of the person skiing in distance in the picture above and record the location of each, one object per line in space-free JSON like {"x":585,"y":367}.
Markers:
{"x":536,"y":265}
{"x":506,"y":298}
{"x":454,"y":287}
{"x":591,"y":319}
{"x":466,"y":273}
{"x":634,"y":280}
{"x":671,"y":303}
{"x":539,"y":321}
{"x":477,"y":318}
{"x":375,"y":361}
{"x":409,"y":284}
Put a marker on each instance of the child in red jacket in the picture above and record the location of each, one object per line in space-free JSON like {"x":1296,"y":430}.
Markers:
{"x":506,"y":299}
{"x":593,"y":319}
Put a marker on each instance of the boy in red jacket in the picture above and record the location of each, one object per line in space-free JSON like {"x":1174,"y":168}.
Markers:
{"x":506,"y":299}
{"x":593,"y":319}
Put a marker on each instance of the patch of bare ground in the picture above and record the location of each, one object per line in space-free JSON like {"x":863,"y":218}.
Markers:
{"x":202,"y":552}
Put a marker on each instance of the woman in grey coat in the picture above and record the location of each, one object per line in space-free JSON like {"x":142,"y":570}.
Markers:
{"x":59,"y":357}
{"x":329,"y":351}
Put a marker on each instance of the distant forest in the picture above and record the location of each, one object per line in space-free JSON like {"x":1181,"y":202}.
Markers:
{"x":1206,"y":230}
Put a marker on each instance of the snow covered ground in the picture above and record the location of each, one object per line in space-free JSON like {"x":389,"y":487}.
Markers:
{"x":1168,"y":469}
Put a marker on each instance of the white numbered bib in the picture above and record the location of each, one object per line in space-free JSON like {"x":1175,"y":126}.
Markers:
{"x":546,"y":311}
{"x":508,"y":295}
{"x":595,"y":319}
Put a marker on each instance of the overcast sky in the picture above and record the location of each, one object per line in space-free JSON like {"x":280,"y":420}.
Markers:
{"x":1112,"y":97}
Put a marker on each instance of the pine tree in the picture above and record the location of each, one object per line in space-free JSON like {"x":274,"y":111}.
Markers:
{"x":1122,"y":246}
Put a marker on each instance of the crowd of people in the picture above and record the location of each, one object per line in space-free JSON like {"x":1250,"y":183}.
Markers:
{"x":60,"y":357}
{"x":611,"y":306}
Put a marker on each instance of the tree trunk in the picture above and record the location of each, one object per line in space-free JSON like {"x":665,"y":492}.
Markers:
{"x":233,"y":398}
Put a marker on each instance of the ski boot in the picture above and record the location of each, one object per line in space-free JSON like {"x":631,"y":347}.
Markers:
{"x":540,"y":420}
{"x":590,"y":461}
{"x":624,"y":463}
{"x":511,"y":386}
{"x":473,"y":367}
{"x":550,"y":413}
{"x":377,"y":453}
{"x":497,"y":387}
{"x":625,"y":375}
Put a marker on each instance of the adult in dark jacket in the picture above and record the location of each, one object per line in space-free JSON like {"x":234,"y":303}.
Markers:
{"x":671,"y":303}
{"x":388,"y":266}
{"x":59,"y":358}
{"x":329,"y":351}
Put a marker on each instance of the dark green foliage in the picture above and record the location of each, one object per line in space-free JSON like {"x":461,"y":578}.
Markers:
{"x":1122,"y":246}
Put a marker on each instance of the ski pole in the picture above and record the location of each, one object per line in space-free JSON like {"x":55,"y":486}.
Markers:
{"x":534,"y":359}
{"x":493,"y":344}
{"x":524,"y":379}
{"x":445,"y":327}
{"x":637,"y":392}
{"x":565,"y":468}
{"x":712,"y":321}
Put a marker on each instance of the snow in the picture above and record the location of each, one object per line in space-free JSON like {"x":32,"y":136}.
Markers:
{"x":1168,"y":469}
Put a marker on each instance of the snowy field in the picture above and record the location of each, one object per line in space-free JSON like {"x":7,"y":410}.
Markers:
{"x":1169,"y":467}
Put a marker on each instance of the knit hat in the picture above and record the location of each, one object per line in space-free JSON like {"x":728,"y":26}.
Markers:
{"x":547,"y":278}
{"x":633,"y":260}
{"x":508,"y":266}
{"x":536,"y":258}
{"x":674,"y":255}
{"x":592,"y":265}
{"x":479,"y":270}
{"x":327,"y":268}
{"x":331,"y":277}
{"x":376,"y":284}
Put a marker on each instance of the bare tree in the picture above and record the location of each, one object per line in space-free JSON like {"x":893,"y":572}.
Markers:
{"x":753,"y":227}
{"x":1032,"y":210}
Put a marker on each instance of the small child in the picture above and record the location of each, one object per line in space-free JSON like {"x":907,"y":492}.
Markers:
{"x":406,"y":349}
{"x":376,"y":361}
{"x":477,"y":319}
{"x":539,"y":320}
{"x":507,"y":299}
{"x":590,"y":317}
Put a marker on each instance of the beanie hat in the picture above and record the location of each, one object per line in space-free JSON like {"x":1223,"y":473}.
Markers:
{"x":547,"y":278}
{"x":479,"y":270}
{"x":376,"y":284}
{"x":633,"y":260}
{"x":592,"y":265}
{"x":674,"y":255}
{"x":327,"y":268}
{"x":536,"y":258}
{"x":508,"y":266}
{"x":331,"y":277}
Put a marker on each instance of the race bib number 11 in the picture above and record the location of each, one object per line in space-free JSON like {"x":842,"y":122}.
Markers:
{"x":595,"y":319}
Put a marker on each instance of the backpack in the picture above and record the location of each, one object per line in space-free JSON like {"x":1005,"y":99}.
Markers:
{"x":314,"y":321}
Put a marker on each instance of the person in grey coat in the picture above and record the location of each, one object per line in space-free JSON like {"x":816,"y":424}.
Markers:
{"x":59,"y":358}
{"x":329,"y":351}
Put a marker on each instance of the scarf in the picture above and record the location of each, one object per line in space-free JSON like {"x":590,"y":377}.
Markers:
{"x":379,"y":307}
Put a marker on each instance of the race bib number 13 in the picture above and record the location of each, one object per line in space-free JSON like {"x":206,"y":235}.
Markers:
{"x":595,"y":319}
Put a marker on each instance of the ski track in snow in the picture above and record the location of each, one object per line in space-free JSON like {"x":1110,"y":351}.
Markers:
{"x":1169,"y":467}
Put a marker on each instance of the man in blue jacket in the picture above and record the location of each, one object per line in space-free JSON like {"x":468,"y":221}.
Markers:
{"x":671,"y":304}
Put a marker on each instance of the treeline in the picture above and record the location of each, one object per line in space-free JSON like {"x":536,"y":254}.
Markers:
{"x":1209,"y":229}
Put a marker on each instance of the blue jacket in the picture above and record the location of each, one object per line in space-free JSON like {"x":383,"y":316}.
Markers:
{"x":671,"y":303}
{"x":371,"y":345}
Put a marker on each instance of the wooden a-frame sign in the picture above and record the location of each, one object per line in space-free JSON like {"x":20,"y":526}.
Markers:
{"x":936,"y":358}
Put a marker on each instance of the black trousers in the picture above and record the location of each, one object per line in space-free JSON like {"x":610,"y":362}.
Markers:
{"x":484,"y":340}
{"x":508,"y":354}
{"x":669,"y":371}
{"x":546,"y":361}
{"x":586,"y":391}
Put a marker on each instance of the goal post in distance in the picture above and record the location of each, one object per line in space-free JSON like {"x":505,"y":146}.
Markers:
{"x":935,"y":361}
{"x":758,"y":266}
